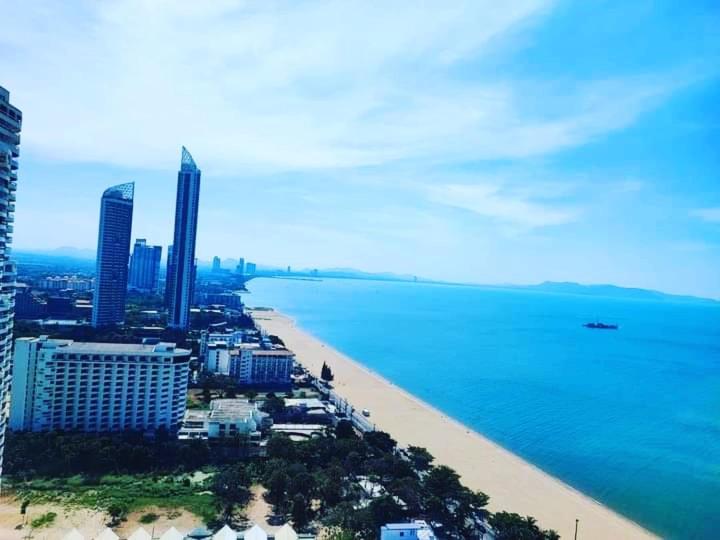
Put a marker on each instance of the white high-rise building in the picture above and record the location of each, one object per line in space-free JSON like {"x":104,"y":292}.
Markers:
{"x":10,"y":124}
{"x":96,"y":387}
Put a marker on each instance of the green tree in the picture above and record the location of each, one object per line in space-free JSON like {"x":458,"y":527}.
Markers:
{"x":420,"y":458}
{"x":344,"y":430}
{"x":300,"y":513}
{"x":118,"y":512}
{"x":277,"y":487}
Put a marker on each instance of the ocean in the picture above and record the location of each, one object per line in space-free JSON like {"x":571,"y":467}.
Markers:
{"x":629,"y":417}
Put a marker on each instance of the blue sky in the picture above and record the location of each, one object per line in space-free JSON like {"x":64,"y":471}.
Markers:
{"x":478,"y":141}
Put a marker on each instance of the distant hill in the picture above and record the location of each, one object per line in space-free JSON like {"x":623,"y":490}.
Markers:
{"x":65,"y":252}
{"x":612,"y":291}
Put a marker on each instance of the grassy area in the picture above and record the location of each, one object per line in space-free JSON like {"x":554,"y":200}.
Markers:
{"x":45,"y":520}
{"x":129,"y":492}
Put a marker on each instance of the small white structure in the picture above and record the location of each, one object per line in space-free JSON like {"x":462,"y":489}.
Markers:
{"x":418,"y":529}
{"x":140,"y":534}
{"x":225,"y":418}
{"x":74,"y":534}
{"x":226,"y":533}
{"x":107,"y":534}
{"x":255,"y":533}
{"x":286,"y":532}
{"x":172,"y":534}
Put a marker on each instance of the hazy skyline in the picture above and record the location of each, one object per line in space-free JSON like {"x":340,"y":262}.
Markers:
{"x":478,"y":142}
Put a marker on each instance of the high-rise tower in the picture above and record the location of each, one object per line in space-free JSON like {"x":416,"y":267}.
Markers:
{"x":113,"y":251}
{"x":145,"y":267}
{"x":182,"y":280}
{"x":10,"y":124}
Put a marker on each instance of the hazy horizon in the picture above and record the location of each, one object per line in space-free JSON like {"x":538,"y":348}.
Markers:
{"x":471,"y":142}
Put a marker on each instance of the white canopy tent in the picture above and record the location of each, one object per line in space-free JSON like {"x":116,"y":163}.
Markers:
{"x":140,"y":534}
{"x":286,"y":532}
{"x":255,"y":533}
{"x":226,"y":533}
{"x":107,"y":534}
{"x":74,"y":534}
{"x":172,"y":534}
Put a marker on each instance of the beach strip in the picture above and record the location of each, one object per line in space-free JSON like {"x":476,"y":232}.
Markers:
{"x":513,"y":484}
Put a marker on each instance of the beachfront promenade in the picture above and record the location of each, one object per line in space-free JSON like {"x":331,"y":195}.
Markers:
{"x":512,"y":483}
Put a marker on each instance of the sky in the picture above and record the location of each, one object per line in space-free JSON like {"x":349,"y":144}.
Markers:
{"x":480,"y":141}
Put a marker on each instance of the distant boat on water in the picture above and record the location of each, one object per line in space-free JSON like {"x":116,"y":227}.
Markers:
{"x":601,"y":326}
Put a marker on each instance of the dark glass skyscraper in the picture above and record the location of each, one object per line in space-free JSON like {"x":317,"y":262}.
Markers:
{"x":10,"y":124}
{"x":116,"y":210}
{"x":145,"y":267}
{"x":182,"y":270}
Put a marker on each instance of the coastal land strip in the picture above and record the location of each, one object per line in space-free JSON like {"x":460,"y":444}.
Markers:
{"x":513,"y":484}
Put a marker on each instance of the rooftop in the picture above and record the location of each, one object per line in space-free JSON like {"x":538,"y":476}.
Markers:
{"x":68,"y":345}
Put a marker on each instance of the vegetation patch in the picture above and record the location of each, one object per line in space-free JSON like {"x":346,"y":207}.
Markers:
{"x":45,"y":520}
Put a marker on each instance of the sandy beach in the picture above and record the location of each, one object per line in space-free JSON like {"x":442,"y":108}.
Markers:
{"x":512,"y":483}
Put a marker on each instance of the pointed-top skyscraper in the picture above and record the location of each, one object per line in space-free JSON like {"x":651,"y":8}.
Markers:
{"x":116,"y":211}
{"x":181,"y":271}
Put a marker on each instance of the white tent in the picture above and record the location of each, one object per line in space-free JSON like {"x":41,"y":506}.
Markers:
{"x":286,"y":532}
{"x":74,"y":535}
{"x":172,"y":534}
{"x":107,"y":534}
{"x":140,"y":534}
{"x":256,"y":533}
{"x":226,"y":533}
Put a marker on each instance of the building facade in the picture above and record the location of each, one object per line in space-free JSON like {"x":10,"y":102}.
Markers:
{"x":225,"y":418}
{"x":181,"y":280}
{"x":97,"y":387}
{"x":240,"y":268}
{"x":10,"y":125}
{"x":145,"y":267}
{"x":252,"y":366}
{"x":116,"y":210}
{"x":216,"y":264}
{"x":418,"y":529}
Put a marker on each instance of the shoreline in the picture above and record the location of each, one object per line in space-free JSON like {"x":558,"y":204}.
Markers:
{"x":513,"y":484}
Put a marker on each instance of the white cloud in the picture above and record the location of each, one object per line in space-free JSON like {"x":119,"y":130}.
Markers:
{"x":707,"y":214}
{"x":289,"y":85}
{"x":503,"y":205}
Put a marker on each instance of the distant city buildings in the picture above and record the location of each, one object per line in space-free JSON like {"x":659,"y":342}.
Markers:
{"x":230,"y":300}
{"x":240,"y":268}
{"x":249,"y":364}
{"x":61,"y":283}
{"x":216,"y":264}
{"x":97,"y":387}
{"x":116,"y":210}
{"x":182,"y":269}
{"x":250,"y":269}
{"x":145,"y":267}
{"x":10,"y":125}
{"x":168,"y":273}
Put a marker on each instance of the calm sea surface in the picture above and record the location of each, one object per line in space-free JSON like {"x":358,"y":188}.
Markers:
{"x":632,"y":417}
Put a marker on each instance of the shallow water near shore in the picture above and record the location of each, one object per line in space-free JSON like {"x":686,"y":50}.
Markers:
{"x":629,"y":417}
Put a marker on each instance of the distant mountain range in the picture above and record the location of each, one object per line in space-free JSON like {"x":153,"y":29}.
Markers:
{"x":610,"y":291}
{"x":70,"y":256}
{"x":67,"y":252}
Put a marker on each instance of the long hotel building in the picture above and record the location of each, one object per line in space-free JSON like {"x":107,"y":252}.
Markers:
{"x":10,"y":124}
{"x":97,"y":387}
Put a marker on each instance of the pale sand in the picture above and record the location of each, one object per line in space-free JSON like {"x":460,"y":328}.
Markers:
{"x":512,"y":484}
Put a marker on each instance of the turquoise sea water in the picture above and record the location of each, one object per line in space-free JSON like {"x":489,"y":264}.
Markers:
{"x":630,"y":417}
